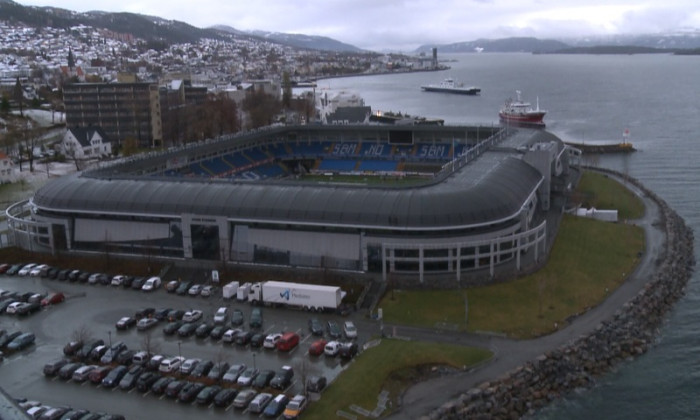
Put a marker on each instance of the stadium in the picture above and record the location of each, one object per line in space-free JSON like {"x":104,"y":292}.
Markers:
{"x":412,"y":200}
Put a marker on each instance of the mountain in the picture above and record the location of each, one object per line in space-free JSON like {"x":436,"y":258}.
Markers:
{"x":151,"y":28}
{"x":307,"y":41}
{"x":499,"y":45}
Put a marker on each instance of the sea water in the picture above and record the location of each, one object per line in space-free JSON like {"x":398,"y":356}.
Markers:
{"x":655,"y":98}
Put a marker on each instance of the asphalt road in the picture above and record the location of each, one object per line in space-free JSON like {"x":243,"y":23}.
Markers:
{"x":424,"y":397}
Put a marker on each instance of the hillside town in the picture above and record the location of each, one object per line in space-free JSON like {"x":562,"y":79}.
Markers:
{"x":54,"y":69}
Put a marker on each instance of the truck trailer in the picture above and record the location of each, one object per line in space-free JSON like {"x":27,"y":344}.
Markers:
{"x":230,"y":290}
{"x":309,"y":297}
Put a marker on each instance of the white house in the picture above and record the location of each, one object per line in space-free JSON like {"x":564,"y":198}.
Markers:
{"x":6,"y":174}
{"x":86,"y":143}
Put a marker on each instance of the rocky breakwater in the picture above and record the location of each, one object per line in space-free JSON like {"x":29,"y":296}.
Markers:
{"x":576,"y":364}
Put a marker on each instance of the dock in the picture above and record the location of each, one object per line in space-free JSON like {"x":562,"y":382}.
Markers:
{"x":600,"y":148}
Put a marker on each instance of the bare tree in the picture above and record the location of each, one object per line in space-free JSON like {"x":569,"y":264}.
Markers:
{"x":149,"y":346}
{"x":82,"y":334}
{"x":303,"y":369}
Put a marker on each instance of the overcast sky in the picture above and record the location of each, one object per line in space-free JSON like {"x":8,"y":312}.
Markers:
{"x":407,"y":24}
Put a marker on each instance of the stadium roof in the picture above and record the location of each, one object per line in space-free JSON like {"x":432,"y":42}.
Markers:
{"x":485,"y":193}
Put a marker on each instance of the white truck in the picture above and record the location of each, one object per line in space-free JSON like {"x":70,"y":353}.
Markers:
{"x":310,"y":297}
{"x":230,"y":290}
{"x":242,"y":292}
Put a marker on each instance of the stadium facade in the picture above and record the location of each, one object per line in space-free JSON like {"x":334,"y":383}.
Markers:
{"x":427,"y":200}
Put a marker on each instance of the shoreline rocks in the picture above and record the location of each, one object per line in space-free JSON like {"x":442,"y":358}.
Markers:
{"x":577,"y":364}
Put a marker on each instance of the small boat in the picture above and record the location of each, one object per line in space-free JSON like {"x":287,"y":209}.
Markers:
{"x":450,"y":86}
{"x":522,"y":113}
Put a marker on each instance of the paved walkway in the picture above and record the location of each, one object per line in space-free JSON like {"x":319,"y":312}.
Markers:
{"x":424,"y":397}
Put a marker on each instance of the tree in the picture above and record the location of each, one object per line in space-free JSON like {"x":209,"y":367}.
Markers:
{"x":82,"y":334}
{"x":261,"y":107}
{"x":18,"y":94}
{"x":149,"y":345}
{"x":286,"y":90}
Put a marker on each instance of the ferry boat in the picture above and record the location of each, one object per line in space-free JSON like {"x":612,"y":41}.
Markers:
{"x":522,"y":113}
{"x":450,"y":86}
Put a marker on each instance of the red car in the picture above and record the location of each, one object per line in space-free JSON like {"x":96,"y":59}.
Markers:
{"x":4,"y":267}
{"x":53,"y":298}
{"x":316,"y":348}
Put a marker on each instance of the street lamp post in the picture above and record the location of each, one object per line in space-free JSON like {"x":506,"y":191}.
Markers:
{"x":110,"y":338}
{"x":179,"y":353}
{"x":254,"y":367}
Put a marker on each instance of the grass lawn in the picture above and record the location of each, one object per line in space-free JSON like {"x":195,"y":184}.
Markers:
{"x":388,"y":366}
{"x":589,"y":259}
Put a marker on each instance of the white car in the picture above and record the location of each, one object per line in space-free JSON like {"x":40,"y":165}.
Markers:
{"x":12,"y":308}
{"x":350,"y":329}
{"x":230,"y":335}
{"x":36,"y":271}
{"x":221,"y":315}
{"x":195,"y":290}
{"x":271,"y":340}
{"x":192,"y":315}
{"x":189,"y":365}
{"x":118,"y":280}
{"x":24,"y":271}
{"x":171,"y":365}
{"x":151,"y":284}
{"x":332,"y":348}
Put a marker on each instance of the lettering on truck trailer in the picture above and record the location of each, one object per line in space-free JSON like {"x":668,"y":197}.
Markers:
{"x":288,"y":294}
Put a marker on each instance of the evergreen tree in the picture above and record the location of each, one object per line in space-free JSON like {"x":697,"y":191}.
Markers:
{"x":286,"y":90}
{"x":19,"y":97}
{"x":71,"y":59}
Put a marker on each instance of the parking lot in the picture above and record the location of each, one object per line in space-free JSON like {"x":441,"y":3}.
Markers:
{"x":96,"y":308}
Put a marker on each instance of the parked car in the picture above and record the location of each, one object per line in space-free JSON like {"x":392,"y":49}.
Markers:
{"x":183,"y":287}
{"x":217,"y":371}
{"x":171,"y":286}
{"x":263,"y":379}
{"x":72,"y":347}
{"x":237,"y":318}
{"x":99,"y":373}
{"x":295,"y":407}
{"x":111,"y":354}
{"x":232,"y":373}
{"x":206,"y":395}
{"x":137,"y":283}
{"x":87,"y":348}
{"x":24,"y":271}
{"x":172,"y":327}
{"x":141,"y":358}
{"x":21,"y":342}
{"x":288,"y":341}
{"x":195,"y":289}
{"x":174,"y":388}
{"x":202,"y":369}
{"x":190,"y":391}
{"x":192,"y":315}
{"x":161,"y":313}
{"x":189,"y":365}
{"x":126,"y":357}
{"x":242,"y":338}
{"x":12,"y":307}
{"x":161,"y":384}
{"x":53,"y":298}
{"x":246,"y":378}
{"x":282,"y":378}
{"x":276,"y":406}
{"x":271,"y":340}
{"x":316,"y":383}
{"x":148,"y":312}
{"x":348,"y":350}
{"x":51,"y":368}
{"x":154,"y":362}
{"x":225,"y":397}
{"x":175,"y":315}
{"x":332,"y":348}
{"x":230,"y":335}
{"x":153,"y":283}
{"x":125,"y":323}
{"x":217,"y":332}
{"x":315,"y":327}
{"x":208,"y":290}
{"x":256,"y":318}
{"x":187,"y":329}
{"x":221,"y":315}
{"x":82,"y":373}
{"x":203,"y":329}
{"x":118,"y":280}
{"x":257,"y":405}
{"x":97,"y":353}
{"x":171,"y":365}
{"x":244,"y":398}
{"x":334,"y":330}
{"x":316,"y":348}
{"x":144,"y":324}
{"x":350,"y":330}
{"x":146,"y":381}
{"x":66,"y":372}
{"x":28,"y":308}
{"x":8,"y":337}
{"x":257,"y":340}
{"x":129,"y":380}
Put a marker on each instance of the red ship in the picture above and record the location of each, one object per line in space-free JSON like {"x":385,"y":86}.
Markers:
{"x":522,"y":113}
